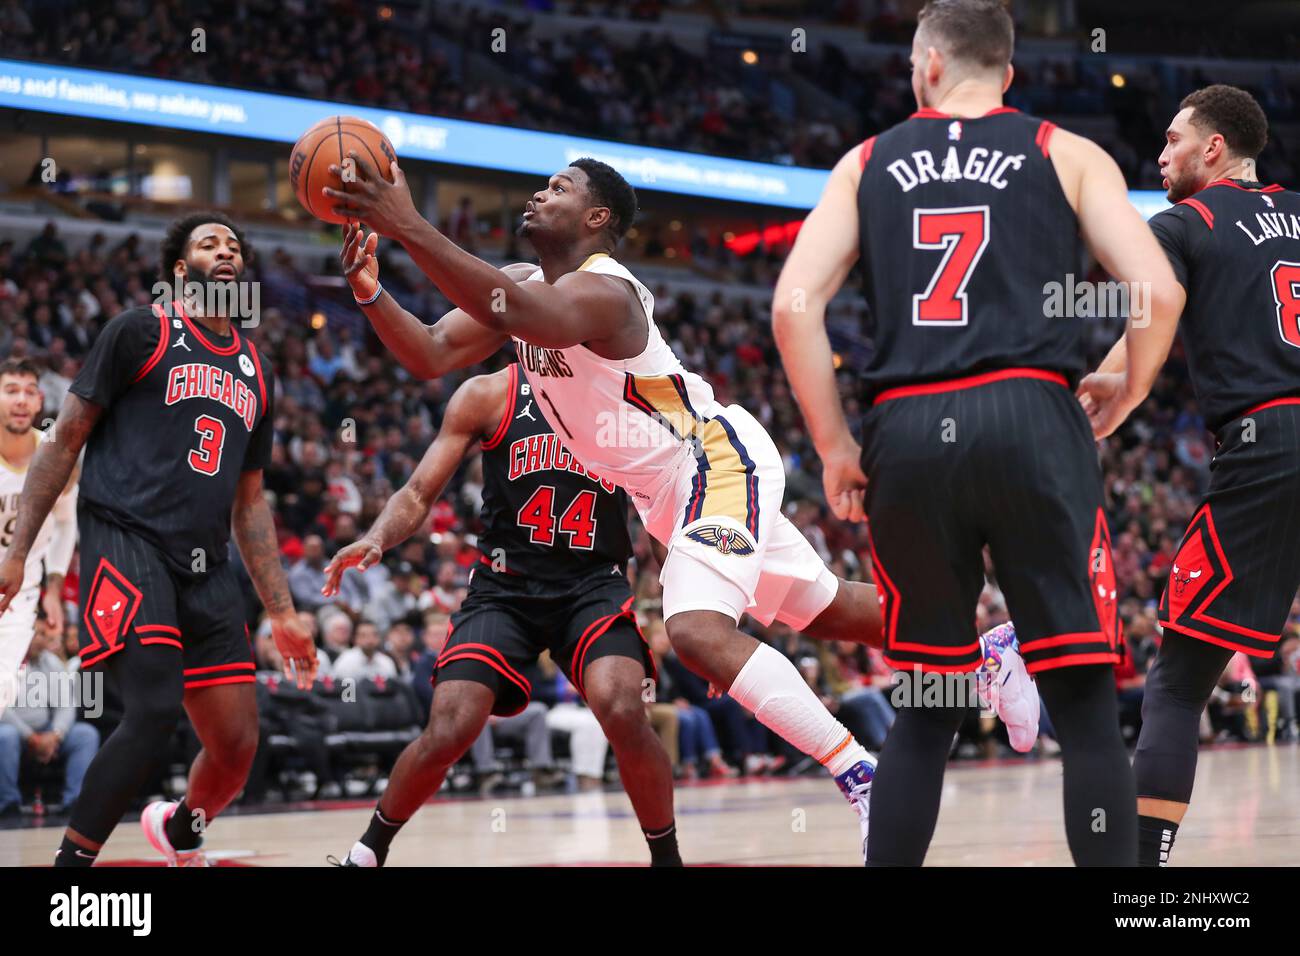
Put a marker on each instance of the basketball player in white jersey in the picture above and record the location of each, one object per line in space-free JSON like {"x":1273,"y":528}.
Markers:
{"x":47,"y":562}
{"x":707,"y":480}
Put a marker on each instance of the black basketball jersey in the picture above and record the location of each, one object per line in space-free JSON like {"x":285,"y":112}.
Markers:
{"x":185,"y":413}
{"x":963,"y":227}
{"x":1235,"y":247}
{"x":544,"y":515}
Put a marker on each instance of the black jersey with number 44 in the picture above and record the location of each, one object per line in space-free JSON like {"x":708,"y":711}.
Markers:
{"x":186,"y":412}
{"x":964,"y":225}
{"x":544,"y":516}
{"x":1235,"y":247}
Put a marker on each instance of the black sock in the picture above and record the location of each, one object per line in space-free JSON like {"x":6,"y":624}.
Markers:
{"x":1155,"y":840}
{"x":184,"y":829}
{"x":380,"y":834}
{"x":663,"y":846}
{"x":74,"y":854}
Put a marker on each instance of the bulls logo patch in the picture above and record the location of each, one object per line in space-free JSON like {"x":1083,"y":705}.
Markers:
{"x":1200,"y":571}
{"x":1101,"y":580}
{"x":110,"y":607}
{"x":726,"y":540}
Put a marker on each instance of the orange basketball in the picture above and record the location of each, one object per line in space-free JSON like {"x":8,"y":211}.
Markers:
{"x":328,"y":143}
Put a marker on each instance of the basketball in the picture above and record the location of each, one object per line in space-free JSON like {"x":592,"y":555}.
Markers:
{"x":327,"y":144}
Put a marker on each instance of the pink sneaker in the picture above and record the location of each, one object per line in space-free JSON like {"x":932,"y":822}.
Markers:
{"x":153,"y":820}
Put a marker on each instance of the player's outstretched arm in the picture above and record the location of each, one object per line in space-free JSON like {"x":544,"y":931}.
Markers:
{"x":578,"y":308}
{"x":254,"y":533}
{"x":454,"y":342}
{"x":47,"y":477}
{"x":1128,"y":250}
{"x":475,"y":406}
{"x":822,"y":256}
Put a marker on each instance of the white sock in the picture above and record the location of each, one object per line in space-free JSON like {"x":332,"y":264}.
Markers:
{"x":773,"y":690}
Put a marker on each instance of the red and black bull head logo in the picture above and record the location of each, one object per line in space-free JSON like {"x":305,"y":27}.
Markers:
{"x":1200,"y":571}
{"x":110,"y":608}
{"x":1182,"y":577}
{"x":726,"y":540}
{"x":1101,"y":577}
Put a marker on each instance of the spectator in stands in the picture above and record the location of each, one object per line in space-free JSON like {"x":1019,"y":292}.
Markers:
{"x":365,"y":660}
{"x":568,"y":714}
{"x":399,"y":645}
{"x":42,"y":723}
{"x":531,"y":728}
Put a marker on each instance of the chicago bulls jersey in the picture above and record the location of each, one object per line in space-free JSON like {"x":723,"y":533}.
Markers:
{"x":963,"y":225}
{"x":546,"y":516}
{"x":1235,"y":247}
{"x":186,"y":412}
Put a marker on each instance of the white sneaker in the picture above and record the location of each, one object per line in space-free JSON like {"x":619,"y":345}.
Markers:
{"x":359,"y":855}
{"x":153,"y":820}
{"x":855,"y":784}
{"x":1011,"y":689}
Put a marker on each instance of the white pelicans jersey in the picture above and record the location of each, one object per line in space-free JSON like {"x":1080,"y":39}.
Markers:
{"x":11,"y":486}
{"x":632,"y":421}
{"x":706,"y":480}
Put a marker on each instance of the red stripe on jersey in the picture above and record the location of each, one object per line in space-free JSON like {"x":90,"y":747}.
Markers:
{"x":1270,"y":404}
{"x":164,"y":335}
{"x":261,"y":383}
{"x":1201,"y":208}
{"x":970,"y":381}
{"x":1272,"y":188}
{"x":508,"y":414}
{"x":927,"y":113}
{"x":1001,"y":109}
{"x":1044,"y":135}
{"x":231,"y":349}
{"x":864,"y":154}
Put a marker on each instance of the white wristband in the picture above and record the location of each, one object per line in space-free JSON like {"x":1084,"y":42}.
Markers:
{"x":379,"y":290}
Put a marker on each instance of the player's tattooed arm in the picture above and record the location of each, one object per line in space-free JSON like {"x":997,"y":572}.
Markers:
{"x":254,"y":533}
{"x":48,"y":475}
{"x":475,"y":408}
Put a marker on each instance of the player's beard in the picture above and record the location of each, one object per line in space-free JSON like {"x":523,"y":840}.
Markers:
{"x":8,"y":425}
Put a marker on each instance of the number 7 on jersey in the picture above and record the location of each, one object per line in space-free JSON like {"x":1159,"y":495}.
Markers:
{"x":963,"y":235}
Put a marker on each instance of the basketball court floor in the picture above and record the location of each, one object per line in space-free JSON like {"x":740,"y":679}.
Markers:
{"x":995,"y":813}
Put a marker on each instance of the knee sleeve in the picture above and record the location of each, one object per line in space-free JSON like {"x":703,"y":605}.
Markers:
{"x":1178,"y":687}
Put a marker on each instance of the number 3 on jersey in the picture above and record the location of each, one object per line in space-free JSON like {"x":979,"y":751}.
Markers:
{"x":963,"y":235}
{"x":578,"y":520}
{"x":206,"y":459}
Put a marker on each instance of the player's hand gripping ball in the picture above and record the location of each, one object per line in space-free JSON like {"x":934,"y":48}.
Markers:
{"x":328,"y":144}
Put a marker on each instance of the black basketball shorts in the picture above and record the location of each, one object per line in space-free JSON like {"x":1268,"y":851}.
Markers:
{"x":1238,"y":566}
{"x":507,"y":620}
{"x":1004,"y":460}
{"x":132,"y":602}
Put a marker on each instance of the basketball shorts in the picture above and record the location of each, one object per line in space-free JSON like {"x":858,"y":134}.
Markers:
{"x":133,"y":602}
{"x":730,"y":549}
{"x":1004,"y":460}
{"x":507,"y":620}
{"x":1237,"y":570}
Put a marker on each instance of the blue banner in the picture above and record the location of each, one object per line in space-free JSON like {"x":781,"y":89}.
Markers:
{"x":282,"y":119}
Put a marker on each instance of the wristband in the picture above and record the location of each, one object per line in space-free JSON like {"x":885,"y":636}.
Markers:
{"x":379,"y":290}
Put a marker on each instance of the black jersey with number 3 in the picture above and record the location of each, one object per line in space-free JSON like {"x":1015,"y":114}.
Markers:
{"x":186,"y":412}
{"x":544,"y":516}
{"x":1235,"y":247}
{"x":964,"y":226}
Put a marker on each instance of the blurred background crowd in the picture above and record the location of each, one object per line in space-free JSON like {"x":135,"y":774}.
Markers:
{"x":350,"y":424}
